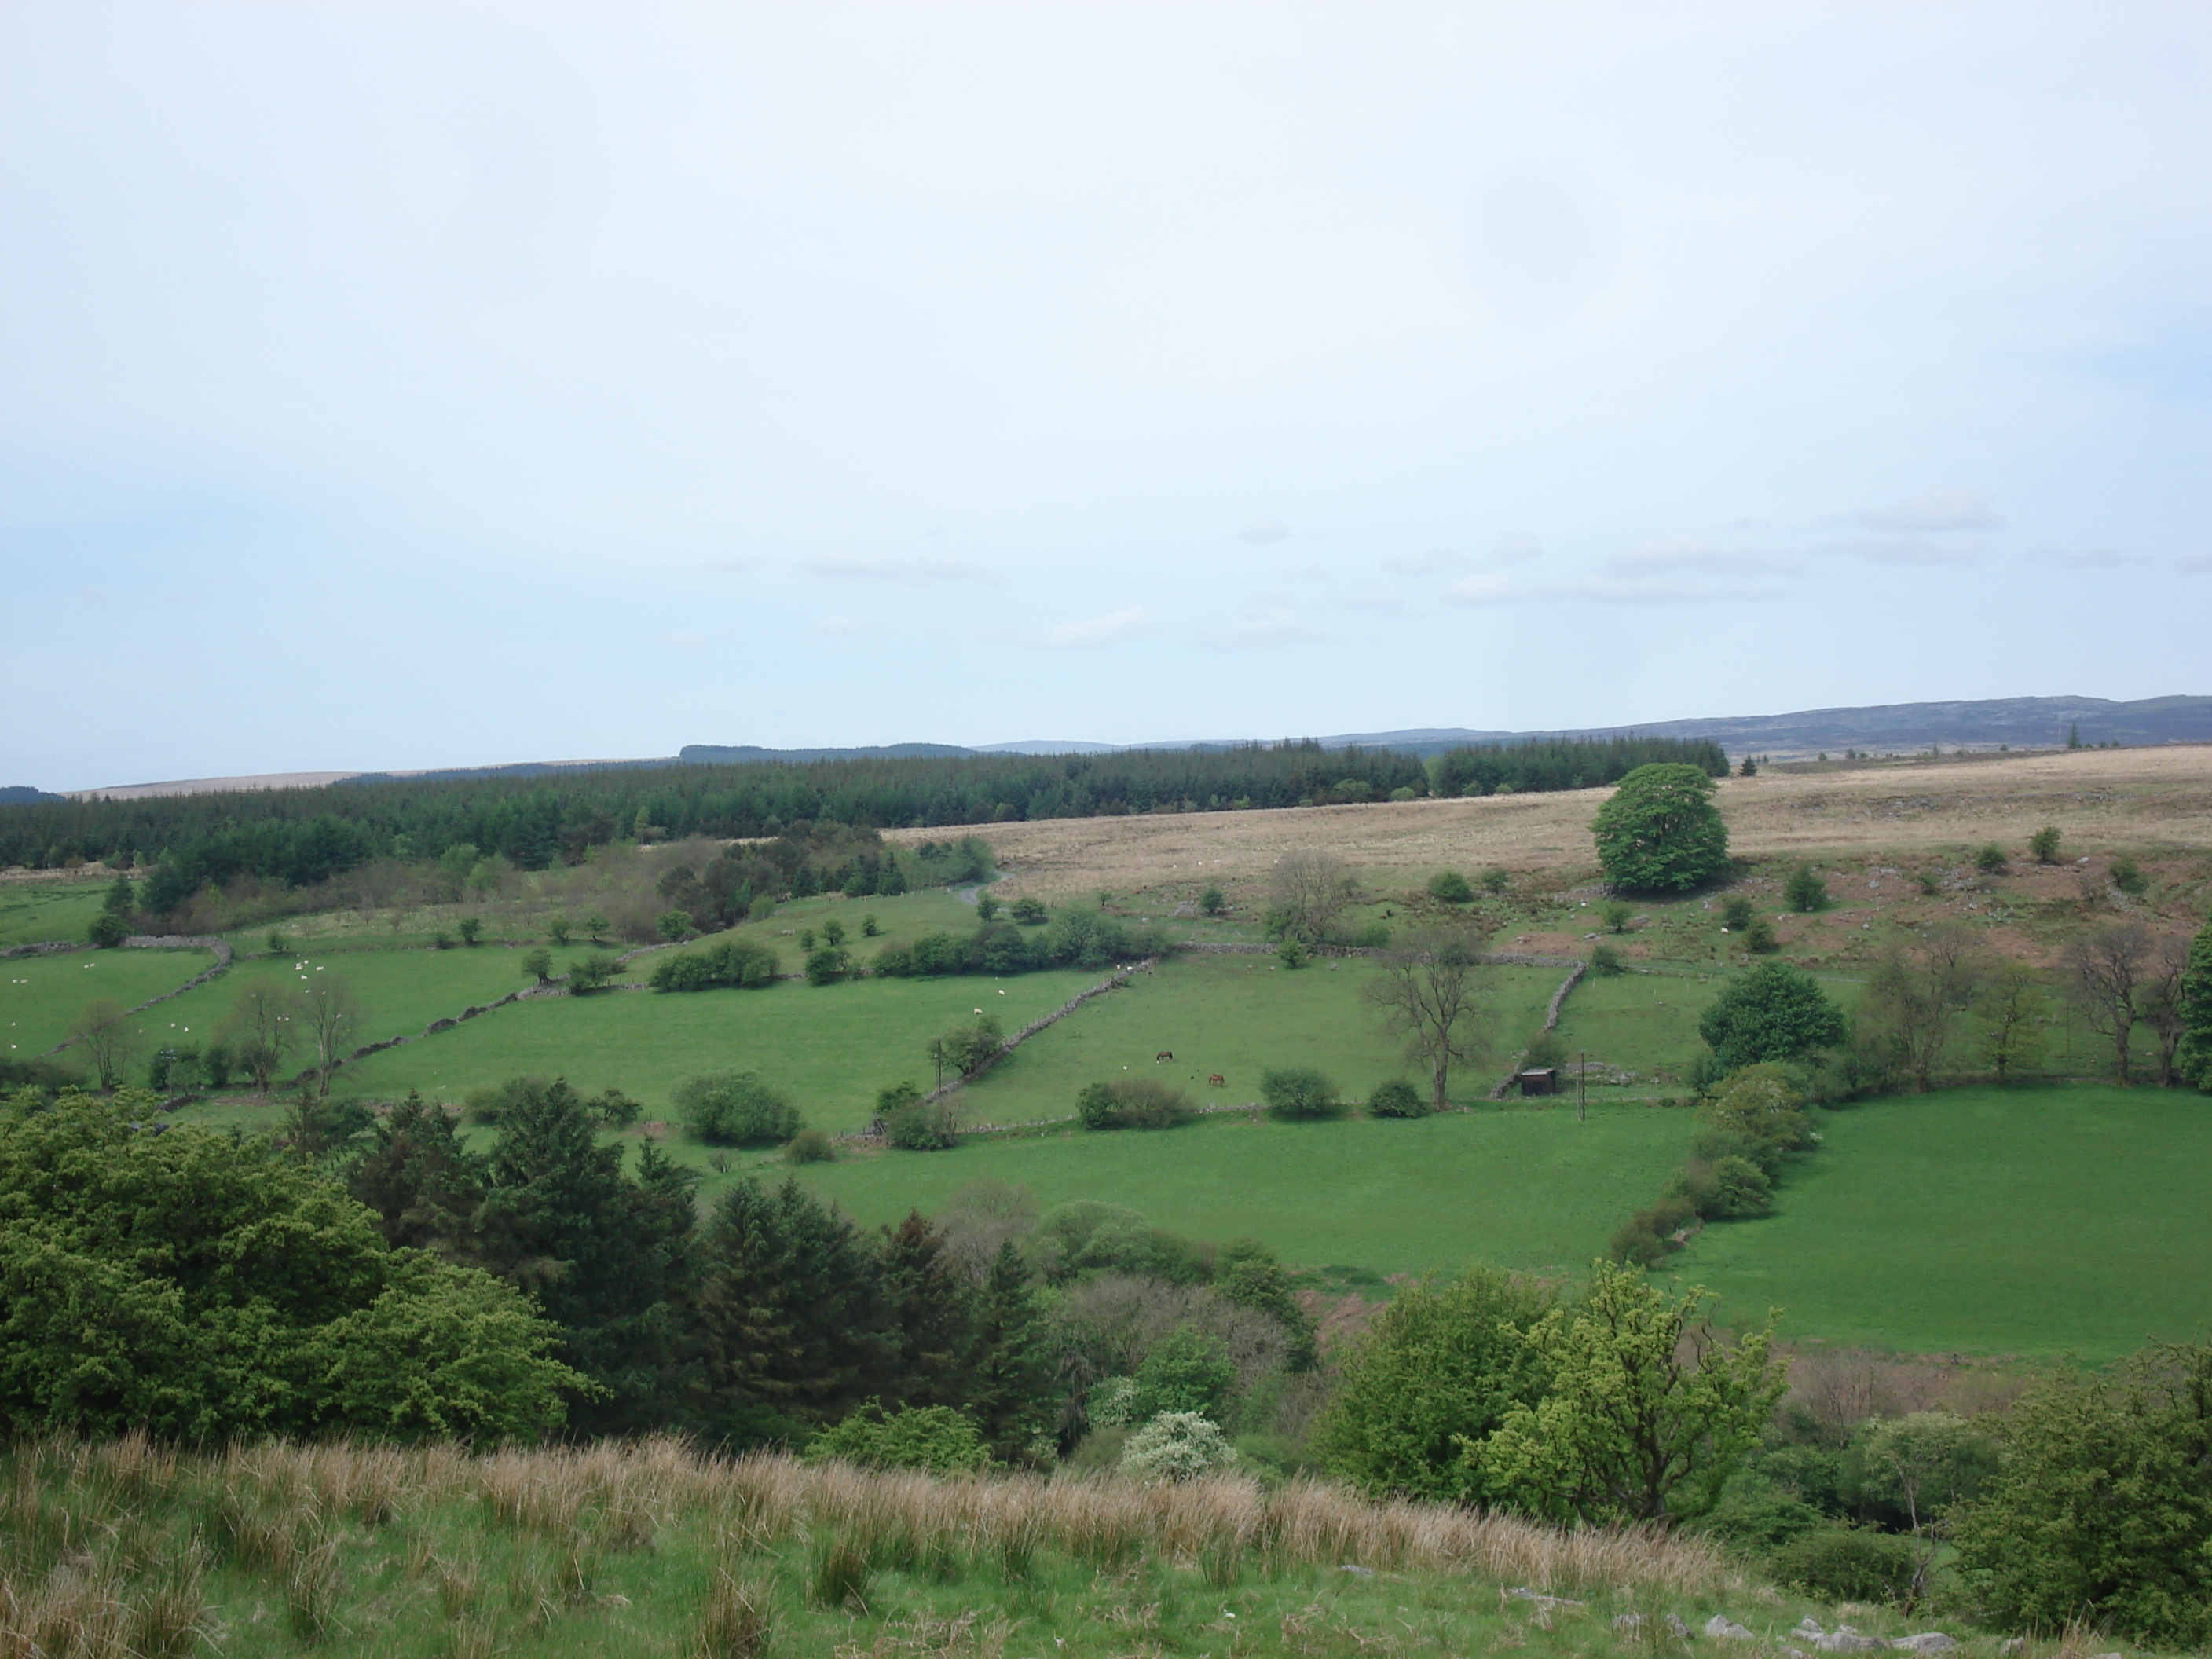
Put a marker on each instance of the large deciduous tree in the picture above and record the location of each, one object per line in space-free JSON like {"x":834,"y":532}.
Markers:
{"x":1307,"y":893}
{"x":2107,"y":973}
{"x":1913,"y":998}
{"x":104,"y":1032}
{"x":1659,"y":832}
{"x":1429,"y":989}
{"x":1646,"y":1413}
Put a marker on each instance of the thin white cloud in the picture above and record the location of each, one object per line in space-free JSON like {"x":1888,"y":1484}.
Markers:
{"x":1094,"y":631}
{"x":1265,"y":628}
{"x":841,"y":627}
{"x":1265,"y":528}
{"x":1511,"y":548}
{"x":1902,"y":549}
{"x":906,"y":573}
{"x":1707,"y":558}
{"x":1605,"y":589}
{"x":1938,"y":511}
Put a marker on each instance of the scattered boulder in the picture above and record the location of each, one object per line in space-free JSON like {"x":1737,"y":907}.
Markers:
{"x":1927,"y":1641}
{"x":1845,"y":1639}
{"x":1357,"y":1570}
{"x":1628,"y":1621}
{"x":1726,"y":1629}
{"x":1677,"y":1627}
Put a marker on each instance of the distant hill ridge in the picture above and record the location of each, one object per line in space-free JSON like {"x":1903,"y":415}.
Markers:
{"x":2020,"y":722}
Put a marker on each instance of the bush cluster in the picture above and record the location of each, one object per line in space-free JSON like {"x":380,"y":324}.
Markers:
{"x":1748,"y":1130}
{"x":1299,"y":1091}
{"x":732,"y":962}
{"x":1076,"y":938}
{"x":736,"y":1108}
{"x":1396,"y":1098}
{"x":1134,"y":1104}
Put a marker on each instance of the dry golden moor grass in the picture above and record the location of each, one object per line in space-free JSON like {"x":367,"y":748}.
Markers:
{"x":2143,"y":800}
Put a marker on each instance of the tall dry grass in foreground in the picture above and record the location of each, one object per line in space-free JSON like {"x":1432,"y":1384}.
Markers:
{"x":128,"y":1548}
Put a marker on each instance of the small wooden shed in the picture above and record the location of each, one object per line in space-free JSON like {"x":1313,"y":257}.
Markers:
{"x":1543,"y":1080}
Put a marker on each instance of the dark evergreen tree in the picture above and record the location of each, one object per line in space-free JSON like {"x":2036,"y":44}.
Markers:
{"x":1012,"y":1396}
{"x":422,"y":1182}
{"x":932,"y":1314}
{"x":794,"y":1325}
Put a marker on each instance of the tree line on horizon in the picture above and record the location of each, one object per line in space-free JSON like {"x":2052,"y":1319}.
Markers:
{"x":302,"y":836}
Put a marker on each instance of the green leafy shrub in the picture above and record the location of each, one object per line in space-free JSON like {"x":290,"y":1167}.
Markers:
{"x":1760,"y":1103}
{"x":1299,"y":1091}
{"x":1805,"y":893}
{"x":1030,"y":911}
{"x":674,"y":926}
{"x":935,"y":1438}
{"x":915,"y":1125}
{"x":1759,"y":940}
{"x":735,"y":1109}
{"x":1846,"y":1563}
{"x":593,"y":973}
{"x":1736,"y":913}
{"x":1544,"y":1049}
{"x":2127,"y":875}
{"x":811,"y":1146}
{"x":1495,"y":881}
{"x":1774,"y":1012}
{"x":1214,"y":901}
{"x":1992,"y":860}
{"x":729,"y":962}
{"x":1450,"y":887}
{"x":610,"y":1108}
{"x":1396,"y":1098}
{"x":2043,"y":845}
{"x":107,"y":930}
{"x":1294,"y":953}
{"x":471,"y":930}
{"x":1132,"y":1104}
{"x":1605,"y":961}
{"x":1616,"y":917}
{"x":1187,"y":1371}
{"x":828,"y":965}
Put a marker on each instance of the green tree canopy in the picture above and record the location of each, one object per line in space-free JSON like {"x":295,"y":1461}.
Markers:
{"x":203,"y":1287}
{"x":1660,"y":831}
{"x":1775,"y":1012}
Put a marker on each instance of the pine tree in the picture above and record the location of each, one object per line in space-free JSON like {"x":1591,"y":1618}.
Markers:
{"x":931,"y":1316}
{"x":1012,"y":1396}
{"x":793,"y":1322}
{"x":422,"y":1181}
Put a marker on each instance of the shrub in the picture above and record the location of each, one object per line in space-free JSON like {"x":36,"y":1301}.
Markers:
{"x":611,"y":1108}
{"x":1496,"y":881}
{"x":1741,"y":1188}
{"x":471,"y":929}
{"x":832,"y":932}
{"x":1616,"y":917}
{"x":441,"y":940}
{"x":1544,"y":1048}
{"x":1736,"y":913}
{"x":1298,"y":1092}
{"x":1806,"y":892}
{"x":735,"y":1109}
{"x":1450,"y":887}
{"x":811,"y":1146}
{"x":868,"y":928}
{"x":1992,"y":860}
{"x":1294,"y":953}
{"x":1176,"y":1446}
{"x":1758,"y":938}
{"x":1028,"y":911}
{"x":593,"y":973}
{"x":1213,"y":900}
{"x":922,"y":1125}
{"x":1375,"y":936}
{"x":1760,"y":1104}
{"x":538,"y":963}
{"x":2043,"y":845}
{"x":107,"y":930}
{"x":1846,"y":1563}
{"x":935,"y":1438}
{"x":1605,"y":961}
{"x":987,"y":905}
{"x":1187,"y":1371}
{"x":2127,"y":875}
{"x":1134,"y":1104}
{"x":674,"y":926}
{"x":729,"y":961}
{"x":828,"y":965}
{"x":1396,"y":1098}
{"x":1775,"y":1012}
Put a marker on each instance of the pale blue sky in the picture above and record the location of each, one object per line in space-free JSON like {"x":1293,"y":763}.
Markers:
{"x":411,"y":384}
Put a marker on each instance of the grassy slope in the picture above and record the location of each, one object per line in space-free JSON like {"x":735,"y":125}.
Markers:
{"x":1235,"y":1015}
{"x":832,"y":1048}
{"x":40,"y":996}
{"x":1516,"y":1187}
{"x":32,"y":912}
{"x":400,"y":991}
{"x":2035,"y":1221}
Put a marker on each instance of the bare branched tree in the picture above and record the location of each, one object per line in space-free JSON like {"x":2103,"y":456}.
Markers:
{"x":104,"y":1031}
{"x":330,"y":1017}
{"x":1309,"y":892}
{"x":2165,"y":1009}
{"x":1913,"y":999}
{"x":261,"y":1031}
{"x":2107,"y":973}
{"x":1431,"y":986}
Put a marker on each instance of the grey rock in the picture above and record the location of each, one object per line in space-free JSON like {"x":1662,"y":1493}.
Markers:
{"x":1845,"y":1639}
{"x":1363,"y":1572}
{"x":1677,"y":1627}
{"x":1927,"y":1641}
{"x":1628,"y":1621}
{"x":1810,"y":1625}
{"x":1720,"y":1625}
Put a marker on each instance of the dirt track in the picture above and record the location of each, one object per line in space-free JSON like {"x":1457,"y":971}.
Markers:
{"x":2140,"y":799}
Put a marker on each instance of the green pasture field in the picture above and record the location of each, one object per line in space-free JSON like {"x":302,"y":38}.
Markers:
{"x":31,"y":913}
{"x":41,"y":996}
{"x":1235,"y":1015}
{"x":1509,"y":1185}
{"x":830,"y":1047}
{"x":1640,"y":1022}
{"x":2033,"y":1221}
{"x":400,"y":991}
